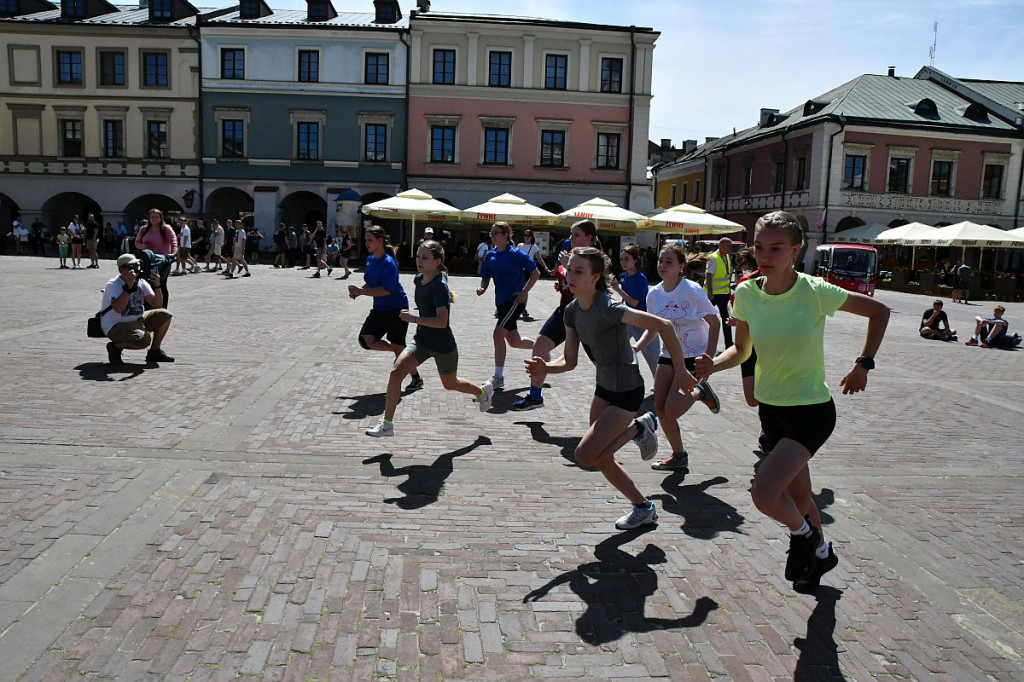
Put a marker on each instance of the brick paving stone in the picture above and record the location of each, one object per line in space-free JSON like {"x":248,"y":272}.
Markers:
{"x":274,"y":551}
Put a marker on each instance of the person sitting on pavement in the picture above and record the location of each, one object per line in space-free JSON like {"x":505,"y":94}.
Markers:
{"x":932,"y":322}
{"x":990,"y":331}
{"x":125,"y":322}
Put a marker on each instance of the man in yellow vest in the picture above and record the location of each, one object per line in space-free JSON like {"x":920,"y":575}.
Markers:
{"x":716,"y":283}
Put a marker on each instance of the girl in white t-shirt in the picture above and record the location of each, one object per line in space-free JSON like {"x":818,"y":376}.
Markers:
{"x":683,"y":303}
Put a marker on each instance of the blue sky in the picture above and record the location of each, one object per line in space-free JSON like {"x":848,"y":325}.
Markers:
{"x":718,"y":63}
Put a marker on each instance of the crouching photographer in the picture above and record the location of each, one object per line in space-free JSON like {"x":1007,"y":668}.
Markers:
{"x":124,"y":320}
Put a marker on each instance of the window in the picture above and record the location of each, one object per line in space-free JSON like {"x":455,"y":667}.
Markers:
{"x":748,"y":180}
{"x":156,"y":139}
{"x":779,"y":181}
{"x":71,"y":137}
{"x":853,"y":173}
{"x":113,"y":139}
{"x":720,"y":184}
{"x":942,"y":178}
{"x":685,"y":188}
{"x":442,"y":144}
{"x":608,"y":150}
{"x":112,"y":68}
{"x":307,"y":144}
{"x":552,"y":148}
{"x":500,"y":70}
{"x":309,"y":66}
{"x":555,"y":68}
{"x":611,"y":74}
{"x":378,"y":68}
{"x":154,"y":69}
{"x":375,"y":145}
{"x":69,"y":67}
{"x":496,"y":146}
{"x":801,"y":173}
{"x":444,"y":67}
{"x":249,"y":9}
{"x":696,"y":192}
{"x":992,"y":181}
{"x":232,"y":63}
{"x":160,"y":9}
{"x":672,"y":195}
{"x":232,"y":139}
{"x":318,"y":11}
{"x":8,"y":8}
{"x":73,"y":8}
{"x":899,"y":175}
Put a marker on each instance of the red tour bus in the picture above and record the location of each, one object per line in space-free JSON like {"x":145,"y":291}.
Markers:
{"x":850,"y":266}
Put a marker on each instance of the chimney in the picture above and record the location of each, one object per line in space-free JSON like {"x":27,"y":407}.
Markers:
{"x":689,"y":146}
{"x":765,"y":115}
{"x":423,"y":6}
{"x":709,"y":140}
{"x":666,"y":144}
{"x":892,"y":72}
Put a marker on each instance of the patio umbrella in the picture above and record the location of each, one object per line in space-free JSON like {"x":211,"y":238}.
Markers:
{"x":864,"y":234}
{"x":609,"y":218}
{"x":969,"y":234}
{"x":410,"y":205}
{"x":689,"y":220}
{"x":510,"y":209}
{"x":899,"y":235}
{"x":1018,"y":233}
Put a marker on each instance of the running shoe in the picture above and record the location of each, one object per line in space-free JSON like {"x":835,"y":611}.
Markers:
{"x":527,"y":403}
{"x":646,"y":438}
{"x":638,"y":516}
{"x":821,"y":568}
{"x":972,"y":342}
{"x":801,"y":562}
{"x":416,"y":384}
{"x":497,"y":383}
{"x":708,"y":397}
{"x":983,"y":344}
{"x":680,"y":460}
{"x":383,"y":429}
{"x":487,"y":398}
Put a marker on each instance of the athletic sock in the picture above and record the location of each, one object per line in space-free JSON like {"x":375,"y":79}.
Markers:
{"x":805,"y":529}
{"x":536,"y":392}
{"x":499,"y":372}
{"x":646,"y":504}
{"x":822,"y":551}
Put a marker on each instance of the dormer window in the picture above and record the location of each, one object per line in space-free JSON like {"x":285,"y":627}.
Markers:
{"x":975,"y":112}
{"x":73,"y":9}
{"x":249,"y":9}
{"x":925,"y":108}
{"x":8,"y":8}
{"x":160,"y":10}
{"x":318,"y":11}
{"x":386,"y":11}
{"x":812,"y":107}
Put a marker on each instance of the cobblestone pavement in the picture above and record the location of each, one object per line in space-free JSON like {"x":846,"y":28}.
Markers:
{"x":226,"y":517}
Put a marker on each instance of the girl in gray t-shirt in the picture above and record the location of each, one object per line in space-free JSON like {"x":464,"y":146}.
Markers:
{"x":600,"y":325}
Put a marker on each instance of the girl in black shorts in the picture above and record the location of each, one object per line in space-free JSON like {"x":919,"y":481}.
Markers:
{"x":600,"y":325}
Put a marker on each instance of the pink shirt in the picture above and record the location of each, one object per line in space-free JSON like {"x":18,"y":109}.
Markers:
{"x":165,"y":244}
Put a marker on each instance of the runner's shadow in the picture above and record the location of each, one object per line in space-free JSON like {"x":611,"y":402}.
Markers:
{"x":104,"y":371}
{"x":615,"y":589}
{"x":362,"y":406}
{"x":568,"y":445}
{"x":425,"y":481}
{"x":825,"y":499}
{"x":819,"y":653}
{"x":704,"y":515}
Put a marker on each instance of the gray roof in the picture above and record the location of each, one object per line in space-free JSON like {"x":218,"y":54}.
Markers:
{"x":124,"y":16}
{"x":297,"y":17}
{"x":1008,"y":93}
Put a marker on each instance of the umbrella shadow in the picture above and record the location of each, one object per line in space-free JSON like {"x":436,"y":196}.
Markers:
{"x":425,"y":481}
{"x":615,"y":589}
{"x":567,"y":445}
{"x":104,"y":371}
{"x":704,"y":515}
{"x":363,"y":406}
{"x":819,"y":653}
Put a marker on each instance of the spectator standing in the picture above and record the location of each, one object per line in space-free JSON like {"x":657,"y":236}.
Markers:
{"x":77,"y":232}
{"x":320,"y":245}
{"x":716,"y":282}
{"x":217,"y":235}
{"x":157,"y":236}
{"x":281,"y":246}
{"x":63,"y":239}
{"x":92,"y":239}
{"x":965,"y":273}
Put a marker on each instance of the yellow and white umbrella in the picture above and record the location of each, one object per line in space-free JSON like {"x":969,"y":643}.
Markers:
{"x":609,"y":217}
{"x":690,"y":220}
{"x":510,"y":209}
{"x":863,"y":234}
{"x":968,"y":234}
{"x":412,"y":204}
{"x":903,"y":235}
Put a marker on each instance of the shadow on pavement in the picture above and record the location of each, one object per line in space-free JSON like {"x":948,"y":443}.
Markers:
{"x":362,"y":406}
{"x":425,"y":481}
{"x":819,"y":655}
{"x":615,"y":589}
{"x":568,"y":445}
{"x":104,"y":371}
{"x":825,"y":499}
{"x":704,"y":515}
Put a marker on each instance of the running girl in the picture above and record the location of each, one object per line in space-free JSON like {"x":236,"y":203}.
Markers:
{"x":514,"y":275}
{"x":783,"y":313}
{"x":632,"y":286}
{"x":389,"y":299}
{"x":552,"y":334}
{"x":696,"y":324}
{"x":433,"y":338}
{"x":600,"y":325}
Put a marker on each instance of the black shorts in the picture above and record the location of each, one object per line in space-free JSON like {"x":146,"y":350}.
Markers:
{"x":691,"y":363}
{"x":554,"y":327}
{"x":747,"y":368}
{"x":507,"y":314}
{"x":809,"y":425}
{"x":381,"y":323}
{"x":629,"y":401}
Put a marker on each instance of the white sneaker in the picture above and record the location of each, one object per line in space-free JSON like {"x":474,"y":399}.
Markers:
{"x":497,"y":383}
{"x":646,"y":438}
{"x":487,"y":398}
{"x":196,"y":268}
{"x":383,"y":429}
{"x":638,"y":516}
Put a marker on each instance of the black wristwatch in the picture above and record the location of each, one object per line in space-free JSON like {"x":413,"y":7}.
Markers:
{"x":866,"y":362}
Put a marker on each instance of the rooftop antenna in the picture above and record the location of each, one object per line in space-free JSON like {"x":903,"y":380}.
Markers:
{"x":935,"y":42}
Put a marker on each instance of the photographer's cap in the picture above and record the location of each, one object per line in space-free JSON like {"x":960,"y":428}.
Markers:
{"x":127,"y":260}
